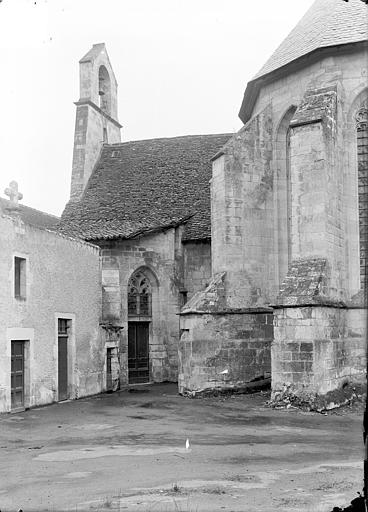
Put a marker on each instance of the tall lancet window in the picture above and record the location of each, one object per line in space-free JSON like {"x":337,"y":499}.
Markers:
{"x":283,"y":191}
{"x":288,"y":194}
{"x":139,"y":295}
{"x":362,"y":142}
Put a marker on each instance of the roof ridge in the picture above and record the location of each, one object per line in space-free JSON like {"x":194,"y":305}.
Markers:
{"x":115,"y":144}
{"x":30,"y":208}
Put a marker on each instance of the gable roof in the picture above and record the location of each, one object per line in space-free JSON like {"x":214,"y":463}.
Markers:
{"x":31,"y":216}
{"x":142,"y":186}
{"x":326,"y":24}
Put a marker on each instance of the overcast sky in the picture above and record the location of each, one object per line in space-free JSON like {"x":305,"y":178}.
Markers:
{"x":181,"y":65}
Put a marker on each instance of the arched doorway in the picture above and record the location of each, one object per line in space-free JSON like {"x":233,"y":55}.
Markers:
{"x":139,"y":319}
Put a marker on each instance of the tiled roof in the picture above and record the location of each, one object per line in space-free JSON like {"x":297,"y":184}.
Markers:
{"x":326,"y":23}
{"x":141,"y":186}
{"x":31,"y":216}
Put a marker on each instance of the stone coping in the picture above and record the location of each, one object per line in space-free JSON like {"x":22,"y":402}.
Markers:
{"x":229,"y":311}
{"x":263,"y":310}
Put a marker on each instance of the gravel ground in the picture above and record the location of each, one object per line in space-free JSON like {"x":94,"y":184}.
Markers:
{"x":127,"y":451}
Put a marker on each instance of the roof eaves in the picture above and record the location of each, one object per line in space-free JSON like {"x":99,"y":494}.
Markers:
{"x":141,"y":232}
{"x":189,"y":239}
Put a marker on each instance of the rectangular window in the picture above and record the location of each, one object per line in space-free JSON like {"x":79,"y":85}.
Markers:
{"x":183,"y":297}
{"x":19,"y":278}
{"x":105,"y":136}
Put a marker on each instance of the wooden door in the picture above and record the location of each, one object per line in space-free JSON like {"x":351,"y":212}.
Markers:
{"x":63,"y":367}
{"x":17,"y":375}
{"x":138,"y":352}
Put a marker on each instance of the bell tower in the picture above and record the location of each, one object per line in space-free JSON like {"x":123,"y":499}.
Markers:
{"x":96,"y":121}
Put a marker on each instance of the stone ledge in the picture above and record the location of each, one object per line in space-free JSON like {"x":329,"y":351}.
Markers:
{"x":317,"y":301}
{"x":229,"y":311}
{"x":248,"y":387}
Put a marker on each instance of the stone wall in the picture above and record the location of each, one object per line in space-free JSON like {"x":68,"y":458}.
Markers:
{"x":160,"y":257}
{"x":90,"y":123}
{"x":197,"y":266}
{"x":242,"y":207}
{"x":221,"y":348}
{"x":285,"y":213}
{"x":224,"y":350}
{"x":225,"y":334}
{"x":317,"y":349}
{"x":319,"y":343}
{"x":62,"y":281}
{"x":314,"y":351}
{"x":316,"y":184}
{"x":347,"y":72}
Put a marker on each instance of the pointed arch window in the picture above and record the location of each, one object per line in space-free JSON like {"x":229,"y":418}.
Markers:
{"x":283,"y":192}
{"x":139,"y":295}
{"x":362,"y":146}
{"x":288,"y":194}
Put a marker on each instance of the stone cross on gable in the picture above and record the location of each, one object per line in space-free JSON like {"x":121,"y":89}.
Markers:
{"x":12,"y":193}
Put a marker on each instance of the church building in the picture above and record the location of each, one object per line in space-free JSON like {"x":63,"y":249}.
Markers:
{"x":146,"y":204}
{"x":289,"y":221}
{"x":231,"y":258}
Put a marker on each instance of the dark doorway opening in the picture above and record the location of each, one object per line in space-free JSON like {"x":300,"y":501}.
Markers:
{"x":62,"y":359}
{"x":109,"y":356}
{"x":138,"y":352}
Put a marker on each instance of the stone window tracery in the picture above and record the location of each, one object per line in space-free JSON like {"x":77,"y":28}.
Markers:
{"x":362,"y":146}
{"x":139,"y":295}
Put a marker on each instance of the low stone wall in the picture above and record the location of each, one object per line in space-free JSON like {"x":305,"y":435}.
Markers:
{"x":317,"y":350}
{"x":223,"y":350}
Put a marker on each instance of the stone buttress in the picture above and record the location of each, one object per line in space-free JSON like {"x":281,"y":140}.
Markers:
{"x":319,"y":326}
{"x":226,"y":330}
